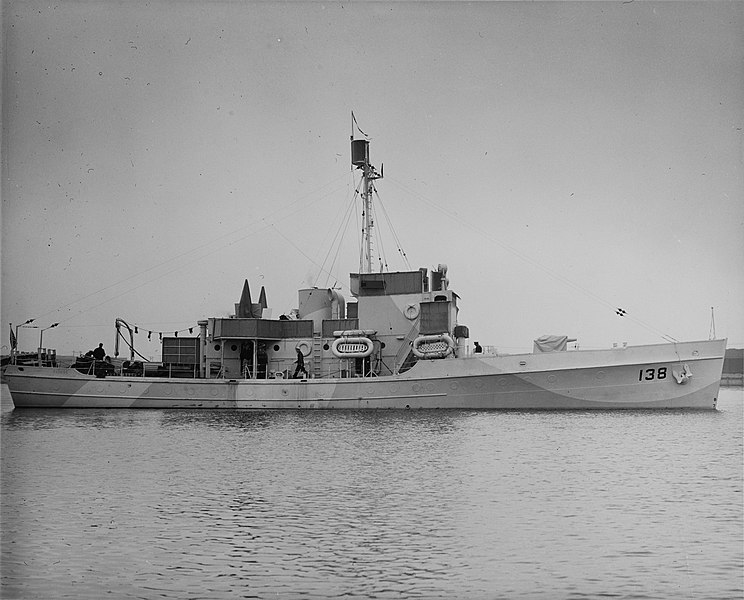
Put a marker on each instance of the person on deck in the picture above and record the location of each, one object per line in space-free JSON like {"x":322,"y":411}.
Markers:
{"x":477,"y":349}
{"x":99,"y":353}
{"x":300,"y":364}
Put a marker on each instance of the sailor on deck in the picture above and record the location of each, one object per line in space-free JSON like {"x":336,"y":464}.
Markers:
{"x":300,"y":364}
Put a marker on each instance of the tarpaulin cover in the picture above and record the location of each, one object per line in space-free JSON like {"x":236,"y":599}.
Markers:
{"x":550,"y":343}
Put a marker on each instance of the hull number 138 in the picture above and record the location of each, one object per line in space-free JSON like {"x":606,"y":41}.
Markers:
{"x":651,"y":374}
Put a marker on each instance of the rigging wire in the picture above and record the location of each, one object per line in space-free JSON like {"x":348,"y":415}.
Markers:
{"x":378,"y":236}
{"x":394,"y":233}
{"x":337,"y":236}
{"x":263,"y":224}
{"x":381,"y":257}
{"x":360,"y":228}
{"x":359,"y":219}
{"x":621,"y":312}
{"x":350,"y":212}
{"x":300,"y":250}
{"x":253,"y":229}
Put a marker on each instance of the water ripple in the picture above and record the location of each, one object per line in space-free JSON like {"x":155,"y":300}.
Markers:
{"x":433,"y":504}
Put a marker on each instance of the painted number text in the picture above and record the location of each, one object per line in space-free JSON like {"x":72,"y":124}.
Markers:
{"x":651,"y":374}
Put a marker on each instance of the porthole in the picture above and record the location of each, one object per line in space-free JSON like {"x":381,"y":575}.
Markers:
{"x":382,"y":344}
{"x":233,"y":347}
{"x":276,"y":347}
{"x":217,"y":347}
{"x":326,"y":346}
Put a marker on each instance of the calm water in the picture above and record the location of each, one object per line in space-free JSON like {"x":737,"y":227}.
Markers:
{"x":212,"y":504}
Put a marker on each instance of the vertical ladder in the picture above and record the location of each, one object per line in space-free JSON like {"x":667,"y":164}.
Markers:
{"x":317,"y":355}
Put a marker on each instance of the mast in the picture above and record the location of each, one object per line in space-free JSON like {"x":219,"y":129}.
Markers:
{"x":360,"y":160}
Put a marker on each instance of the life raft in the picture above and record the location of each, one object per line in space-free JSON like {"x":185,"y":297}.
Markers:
{"x":352,"y":347}
{"x":433,"y":346}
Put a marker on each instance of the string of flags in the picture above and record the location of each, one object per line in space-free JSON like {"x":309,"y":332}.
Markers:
{"x":160,"y":334}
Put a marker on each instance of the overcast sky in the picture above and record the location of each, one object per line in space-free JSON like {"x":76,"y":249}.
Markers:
{"x":563,"y":159}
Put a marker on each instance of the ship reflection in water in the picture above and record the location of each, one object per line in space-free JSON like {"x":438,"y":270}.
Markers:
{"x":428,"y":504}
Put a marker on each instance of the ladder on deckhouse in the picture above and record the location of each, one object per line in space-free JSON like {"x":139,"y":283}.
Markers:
{"x":317,"y":355}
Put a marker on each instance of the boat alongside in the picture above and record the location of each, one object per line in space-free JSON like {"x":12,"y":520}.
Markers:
{"x":397,"y":345}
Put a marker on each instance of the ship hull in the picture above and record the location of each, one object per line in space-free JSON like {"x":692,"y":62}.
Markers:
{"x":682,"y":375}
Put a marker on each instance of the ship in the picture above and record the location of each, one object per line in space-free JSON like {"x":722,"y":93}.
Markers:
{"x":396,"y":343}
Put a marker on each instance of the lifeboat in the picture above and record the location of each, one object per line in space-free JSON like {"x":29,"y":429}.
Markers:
{"x":352,"y":347}
{"x":433,"y":346}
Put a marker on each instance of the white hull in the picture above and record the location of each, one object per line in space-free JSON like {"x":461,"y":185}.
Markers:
{"x":640,"y":377}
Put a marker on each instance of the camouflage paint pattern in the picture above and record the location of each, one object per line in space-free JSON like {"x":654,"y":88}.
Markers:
{"x":632,"y":377}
